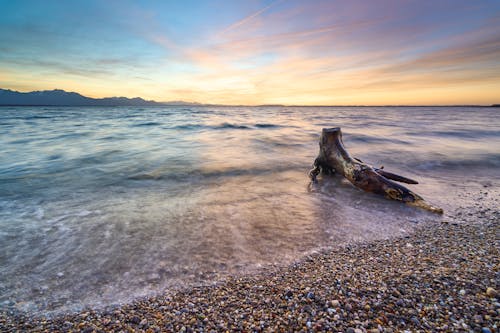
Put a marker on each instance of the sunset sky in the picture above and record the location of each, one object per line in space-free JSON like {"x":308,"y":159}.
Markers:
{"x":256,"y":52}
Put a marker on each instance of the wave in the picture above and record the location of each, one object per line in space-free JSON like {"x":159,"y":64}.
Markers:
{"x":20,"y":141}
{"x":147,"y":124}
{"x":36,"y":117}
{"x":28,"y":117}
{"x":187,"y":127}
{"x":71,"y":135}
{"x":184,"y":173}
{"x":231,"y":126}
{"x":469,"y":134}
{"x":267,"y":126}
{"x":486,"y":161}
{"x":223,"y":126}
{"x":111,"y":138}
{"x":277,"y":142}
{"x":374,"y":139}
{"x":132,"y":115}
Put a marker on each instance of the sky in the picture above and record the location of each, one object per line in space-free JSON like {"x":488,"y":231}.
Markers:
{"x":292,"y":52}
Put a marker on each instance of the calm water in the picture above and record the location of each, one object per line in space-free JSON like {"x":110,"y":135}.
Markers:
{"x":100,"y":206}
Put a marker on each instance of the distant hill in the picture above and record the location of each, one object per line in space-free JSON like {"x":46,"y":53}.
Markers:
{"x":59,"y":97}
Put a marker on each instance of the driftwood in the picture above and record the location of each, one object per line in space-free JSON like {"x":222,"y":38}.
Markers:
{"x":333,"y":158}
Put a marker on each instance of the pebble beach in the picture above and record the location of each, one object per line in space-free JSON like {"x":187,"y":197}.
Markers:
{"x":110,"y":245}
{"x":249,"y":166}
{"x":443,"y":277}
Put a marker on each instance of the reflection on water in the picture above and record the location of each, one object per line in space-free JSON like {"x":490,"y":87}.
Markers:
{"x":100,"y":206}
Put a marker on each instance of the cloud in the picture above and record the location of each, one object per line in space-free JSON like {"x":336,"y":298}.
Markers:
{"x":248,"y":18}
{"x":287,"y":52}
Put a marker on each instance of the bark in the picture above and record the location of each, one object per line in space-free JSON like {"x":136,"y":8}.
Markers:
{"x":334,"y":158}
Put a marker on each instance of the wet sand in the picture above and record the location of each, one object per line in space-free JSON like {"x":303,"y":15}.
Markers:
{"x":442,"y":277}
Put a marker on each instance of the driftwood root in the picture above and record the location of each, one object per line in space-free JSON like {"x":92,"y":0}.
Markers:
{"x":334,"y":158}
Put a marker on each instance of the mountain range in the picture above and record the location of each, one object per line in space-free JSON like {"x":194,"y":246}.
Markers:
{"x":58,"y":97}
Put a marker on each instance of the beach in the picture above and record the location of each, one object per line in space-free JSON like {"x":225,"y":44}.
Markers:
{"x":249,"y":166}
{"x":443,"y":277}
{"x":168,"y":217}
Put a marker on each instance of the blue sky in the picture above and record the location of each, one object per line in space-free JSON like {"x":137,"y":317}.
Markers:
{"x":256,"y":52}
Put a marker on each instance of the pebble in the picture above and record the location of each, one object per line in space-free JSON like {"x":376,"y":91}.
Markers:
{"x":491,"y":292}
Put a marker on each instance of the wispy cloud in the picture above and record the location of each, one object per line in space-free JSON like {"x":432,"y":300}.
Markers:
{"x":248,"y":18}
{"x":289,"y":52}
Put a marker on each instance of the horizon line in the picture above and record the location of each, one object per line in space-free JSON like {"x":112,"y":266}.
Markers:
{"x":187,"y":103}
{"x":163,"y":104}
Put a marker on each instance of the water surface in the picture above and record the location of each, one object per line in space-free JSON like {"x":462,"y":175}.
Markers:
{"x":100,"y":206}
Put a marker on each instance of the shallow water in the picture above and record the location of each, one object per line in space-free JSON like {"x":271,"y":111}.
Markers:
{"x":100,"y":206}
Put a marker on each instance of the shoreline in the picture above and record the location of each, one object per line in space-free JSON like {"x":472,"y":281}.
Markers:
{"x":442,"y":277}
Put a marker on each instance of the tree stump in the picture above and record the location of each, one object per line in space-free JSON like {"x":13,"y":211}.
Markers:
{"x":334,"y":158}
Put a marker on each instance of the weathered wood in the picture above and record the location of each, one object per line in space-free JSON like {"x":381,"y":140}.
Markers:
{"x":334,"y":158}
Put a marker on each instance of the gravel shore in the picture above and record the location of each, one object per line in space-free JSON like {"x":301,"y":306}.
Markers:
{"x":443,"y":277}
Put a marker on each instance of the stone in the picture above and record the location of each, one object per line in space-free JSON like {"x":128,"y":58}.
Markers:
{"x":491,"y":292}
{"x":415,"y":321}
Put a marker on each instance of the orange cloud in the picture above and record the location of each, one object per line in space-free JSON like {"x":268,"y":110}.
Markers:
{"x":300,"y":53}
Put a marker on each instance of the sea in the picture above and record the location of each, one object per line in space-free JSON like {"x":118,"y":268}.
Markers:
{"x":101,"y":206}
